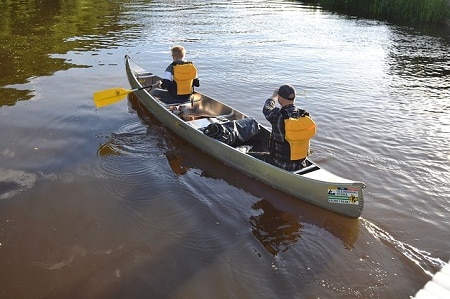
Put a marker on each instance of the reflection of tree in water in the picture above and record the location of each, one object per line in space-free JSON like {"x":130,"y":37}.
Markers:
{"x":276,"y":230}
{"x":419,"y":67}
{"x":33,"y":31}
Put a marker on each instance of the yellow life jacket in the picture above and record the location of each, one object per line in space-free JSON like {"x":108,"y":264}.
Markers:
{"x":184,"y":75}
{"x":298,"y":132}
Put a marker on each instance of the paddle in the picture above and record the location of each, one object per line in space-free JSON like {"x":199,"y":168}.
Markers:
{"x":110,"y":96}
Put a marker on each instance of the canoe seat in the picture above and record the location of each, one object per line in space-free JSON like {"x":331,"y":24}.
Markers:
{"x":307,"y":169}
{"x":145,"y":75}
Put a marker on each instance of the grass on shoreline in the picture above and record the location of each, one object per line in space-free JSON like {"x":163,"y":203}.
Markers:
{"x":416,"y":11}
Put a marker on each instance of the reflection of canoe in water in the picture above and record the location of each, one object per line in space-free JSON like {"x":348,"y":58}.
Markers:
{"x":190,"y":120}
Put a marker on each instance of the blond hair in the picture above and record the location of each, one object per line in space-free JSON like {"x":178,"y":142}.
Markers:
{"x":178,"y":52}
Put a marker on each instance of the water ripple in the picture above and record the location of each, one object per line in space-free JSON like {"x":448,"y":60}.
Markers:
{"x":131,"y":159}
{"x":421,"y":258}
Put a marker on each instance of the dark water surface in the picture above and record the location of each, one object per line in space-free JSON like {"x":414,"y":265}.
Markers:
{"x":109,"y":204}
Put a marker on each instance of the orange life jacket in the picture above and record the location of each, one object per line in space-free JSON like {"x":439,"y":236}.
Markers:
{"x":184,"y":75}
{"x":298,"y":132}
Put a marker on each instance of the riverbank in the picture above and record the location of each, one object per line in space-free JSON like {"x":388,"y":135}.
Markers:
{"x":411,"y":11}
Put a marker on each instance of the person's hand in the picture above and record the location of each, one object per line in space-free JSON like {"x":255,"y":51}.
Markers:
{"x":275,"y":93}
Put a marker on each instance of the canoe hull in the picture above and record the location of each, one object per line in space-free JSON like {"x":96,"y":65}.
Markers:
{"x":318,"y":186}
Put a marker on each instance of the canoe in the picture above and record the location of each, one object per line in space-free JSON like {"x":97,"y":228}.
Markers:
{"x":194,"y":121}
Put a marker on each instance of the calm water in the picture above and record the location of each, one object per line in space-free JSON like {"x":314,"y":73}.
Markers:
{"x":109,"y":204}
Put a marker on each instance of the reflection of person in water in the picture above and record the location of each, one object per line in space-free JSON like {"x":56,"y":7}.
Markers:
{"x":176,"y":163}
{"x":276,"y":230}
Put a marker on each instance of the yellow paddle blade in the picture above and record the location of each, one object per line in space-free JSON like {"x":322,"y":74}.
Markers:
{"x":110,"y":96}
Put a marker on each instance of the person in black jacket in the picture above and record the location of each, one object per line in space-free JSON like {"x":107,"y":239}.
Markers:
{"x":292,"y":129}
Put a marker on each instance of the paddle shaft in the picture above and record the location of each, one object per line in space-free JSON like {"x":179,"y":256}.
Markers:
{"x":144,"y":87}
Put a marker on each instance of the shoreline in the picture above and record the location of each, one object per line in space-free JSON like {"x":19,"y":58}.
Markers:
{"x":352,"y":7}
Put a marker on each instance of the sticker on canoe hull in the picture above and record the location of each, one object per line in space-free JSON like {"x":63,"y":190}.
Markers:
{"x":344,"y":195}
